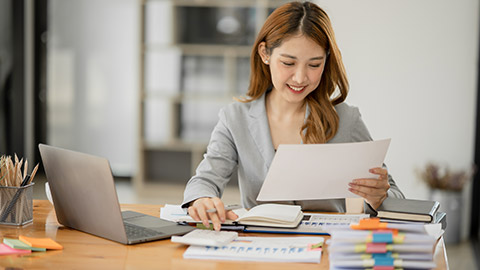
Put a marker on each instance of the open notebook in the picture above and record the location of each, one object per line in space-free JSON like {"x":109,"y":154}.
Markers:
{"x":271,"y":215}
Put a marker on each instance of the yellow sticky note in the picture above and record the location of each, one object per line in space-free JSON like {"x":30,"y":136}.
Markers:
{"x":47,"y":243}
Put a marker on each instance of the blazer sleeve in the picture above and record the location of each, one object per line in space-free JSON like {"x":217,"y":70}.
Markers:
{"x":215,"y":170}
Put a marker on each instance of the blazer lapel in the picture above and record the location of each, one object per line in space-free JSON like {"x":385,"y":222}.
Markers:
{"x":260,"y":130}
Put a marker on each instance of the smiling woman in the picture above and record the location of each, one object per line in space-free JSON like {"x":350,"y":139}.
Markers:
{"x":295,"y":75}
{"x":312,"y":26}
{"x":296,"y":69}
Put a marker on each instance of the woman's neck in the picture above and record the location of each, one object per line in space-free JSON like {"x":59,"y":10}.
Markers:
{"x":279,"y":108}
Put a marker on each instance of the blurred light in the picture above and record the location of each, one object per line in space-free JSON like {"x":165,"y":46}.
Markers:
{"x":228,"y":25}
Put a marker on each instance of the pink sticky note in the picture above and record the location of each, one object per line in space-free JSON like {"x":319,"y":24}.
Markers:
{"x":6,"y":250}
{"x":376,"y":248}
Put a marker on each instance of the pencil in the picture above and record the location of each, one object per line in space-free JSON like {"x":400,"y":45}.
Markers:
{"x":25,"y":167}
{"x":227,"y":208}
{"x":33,"y":173}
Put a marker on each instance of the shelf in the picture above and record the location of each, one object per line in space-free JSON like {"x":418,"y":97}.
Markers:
{"x":230,"y":3}
{"x":194,"y":60}
{"x":177,"y":145}
{"x":179,"y":98}
{"x":204,"y":49}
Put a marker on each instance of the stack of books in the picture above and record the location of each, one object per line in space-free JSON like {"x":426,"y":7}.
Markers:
{"x":408,"y":210}
{"x":380,"y":245}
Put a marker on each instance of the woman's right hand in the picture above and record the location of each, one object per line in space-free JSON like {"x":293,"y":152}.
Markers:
{"x":198,"y":211}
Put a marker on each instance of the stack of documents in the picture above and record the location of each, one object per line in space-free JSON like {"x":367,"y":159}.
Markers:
{"x":263,"y":249}
{"x":376,"y":244}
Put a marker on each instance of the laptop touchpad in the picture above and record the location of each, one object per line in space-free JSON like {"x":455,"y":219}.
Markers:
{"x":149,"y":222}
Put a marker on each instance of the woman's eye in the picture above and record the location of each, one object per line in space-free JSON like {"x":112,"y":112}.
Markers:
{"x":316,"y":66}
{"x":287,"y":63}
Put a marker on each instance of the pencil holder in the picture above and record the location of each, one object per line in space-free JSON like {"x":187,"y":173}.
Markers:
{"x":16,"y":205}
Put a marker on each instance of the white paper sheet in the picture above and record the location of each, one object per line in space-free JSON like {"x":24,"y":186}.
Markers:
{"x":320,"y":171}
{"x":270,"y":249}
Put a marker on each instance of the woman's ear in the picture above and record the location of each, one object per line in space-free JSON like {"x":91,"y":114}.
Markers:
{"x":262,"y":51}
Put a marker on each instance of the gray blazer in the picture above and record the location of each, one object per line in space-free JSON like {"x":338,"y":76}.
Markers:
{"x":241,"y":140}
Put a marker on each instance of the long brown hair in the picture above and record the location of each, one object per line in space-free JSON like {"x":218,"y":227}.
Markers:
{"x":311,"y":21}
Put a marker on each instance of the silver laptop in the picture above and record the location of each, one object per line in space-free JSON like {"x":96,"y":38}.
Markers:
{"x":85,"y":198}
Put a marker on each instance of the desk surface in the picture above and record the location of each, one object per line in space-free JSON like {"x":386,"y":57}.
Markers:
{"x":82,"y":250}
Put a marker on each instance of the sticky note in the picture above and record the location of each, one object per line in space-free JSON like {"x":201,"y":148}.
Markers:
{"x":47,"y":243}
{"x":17,"y":244}
{"x":399,"y":238}
{"x":382,"y":237}
{"x":6,"y":250}
{"x":369,"y":224}
{"x":383,"y":261}
{"x":388,"y":254}
{"x":383,"y":268}
{"x":317,"y":246}
{"x":376,"y":248}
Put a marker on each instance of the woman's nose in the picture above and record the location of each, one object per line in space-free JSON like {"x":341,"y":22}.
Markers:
{"x":300,"y":75}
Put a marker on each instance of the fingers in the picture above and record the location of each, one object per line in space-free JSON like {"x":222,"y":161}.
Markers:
{"x":216,"y":211}
{"x":231,"y":215}
{"x":376,"y":183}
{"x":373,"y":190}
{"x":218,"y":204}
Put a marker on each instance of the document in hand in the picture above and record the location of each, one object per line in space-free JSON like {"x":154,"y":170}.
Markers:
{"x":320,"y":171}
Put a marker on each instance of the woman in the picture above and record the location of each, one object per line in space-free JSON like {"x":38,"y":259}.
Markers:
{"x":297,"y":88}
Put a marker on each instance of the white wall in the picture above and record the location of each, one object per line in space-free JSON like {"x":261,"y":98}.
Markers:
{"x":93,"y":78}
{"x":412,"y":67}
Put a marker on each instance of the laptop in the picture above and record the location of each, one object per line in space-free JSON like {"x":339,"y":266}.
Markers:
{"x":85,"y":198}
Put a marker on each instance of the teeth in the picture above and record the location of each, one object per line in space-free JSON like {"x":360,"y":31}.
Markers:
{"x":296,"y":88}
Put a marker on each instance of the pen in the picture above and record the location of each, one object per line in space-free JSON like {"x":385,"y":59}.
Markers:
{"x":227,"y":208}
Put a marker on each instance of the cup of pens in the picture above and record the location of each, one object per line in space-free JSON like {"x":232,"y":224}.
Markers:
{"x":16,"y":192}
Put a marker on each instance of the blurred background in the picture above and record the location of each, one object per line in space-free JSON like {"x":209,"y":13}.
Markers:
{"x":140,"y":82}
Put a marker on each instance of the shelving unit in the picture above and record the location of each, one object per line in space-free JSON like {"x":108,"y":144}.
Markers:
{"x":194,"y":60}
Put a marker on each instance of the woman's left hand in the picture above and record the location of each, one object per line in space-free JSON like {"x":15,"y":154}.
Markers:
{"x":373,"y":190}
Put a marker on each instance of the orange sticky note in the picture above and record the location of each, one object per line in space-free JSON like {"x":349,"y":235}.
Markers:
{"x":369,"y":224}
{"x":47,"y":243}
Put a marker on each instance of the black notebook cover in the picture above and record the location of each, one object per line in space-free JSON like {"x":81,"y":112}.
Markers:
{"x":407,"y":209}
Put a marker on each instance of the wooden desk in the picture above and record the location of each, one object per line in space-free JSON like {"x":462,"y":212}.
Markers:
{"x":85,"y":251}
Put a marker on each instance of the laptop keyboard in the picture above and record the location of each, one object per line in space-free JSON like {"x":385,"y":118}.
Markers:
{"x":134,"y":231}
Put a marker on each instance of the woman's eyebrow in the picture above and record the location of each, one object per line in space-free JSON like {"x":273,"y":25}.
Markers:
{"x":293,"y":57}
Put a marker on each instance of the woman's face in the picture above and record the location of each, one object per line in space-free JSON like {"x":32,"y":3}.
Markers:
{"x":296,"y":67}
